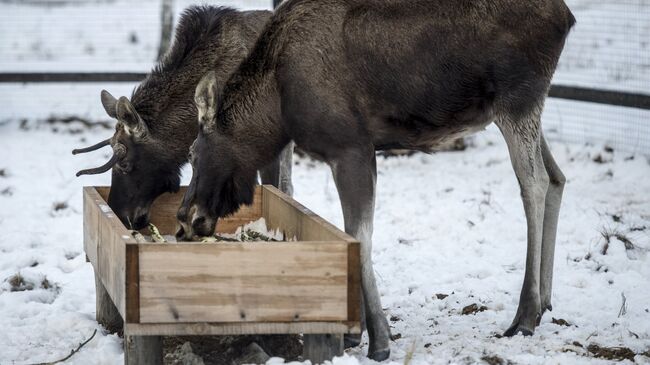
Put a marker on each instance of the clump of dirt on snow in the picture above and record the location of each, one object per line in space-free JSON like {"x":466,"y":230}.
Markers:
{"x":473,"y":309}
{"x":494,"y":360}
{"x":560,"y":322}
{"x":611,"y":353}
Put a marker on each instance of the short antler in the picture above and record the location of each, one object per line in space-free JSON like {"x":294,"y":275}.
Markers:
{"x":92,"y":148}
{"x":118,"y":152}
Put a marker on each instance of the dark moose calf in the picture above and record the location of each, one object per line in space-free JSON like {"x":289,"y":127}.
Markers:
{"x":156,"y":127}
{"x":344,"y":78}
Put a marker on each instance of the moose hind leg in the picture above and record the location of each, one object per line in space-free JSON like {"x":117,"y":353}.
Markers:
{"x":551,"y":214}
{"x":270,"y":174}
{"x":355,"y":175}
{"x":286,"y":167}
{"x":278,"y":172}
{"x":523,"y":140}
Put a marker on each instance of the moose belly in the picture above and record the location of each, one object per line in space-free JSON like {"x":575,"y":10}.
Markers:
{"x":418,"y":133}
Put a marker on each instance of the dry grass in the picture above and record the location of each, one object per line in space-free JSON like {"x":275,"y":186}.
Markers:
{"x":611,"y":353}
{"x":609,"y":234}
{"x":18,"y":283}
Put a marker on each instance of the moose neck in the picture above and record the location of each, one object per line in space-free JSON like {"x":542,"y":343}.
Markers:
{"x":251,"y":119}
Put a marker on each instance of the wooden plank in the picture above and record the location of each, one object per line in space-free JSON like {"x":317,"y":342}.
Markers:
{"x":143,"y":350}
{"x":132,"y":283}
{"x":244,"y":328}
{"x":600,"y":96}
{"x":282,"y":212}
{"x":72,"y":76}
{"x":164,"y":208}
{"x":105,"y":311}
{"x":354,"y":282}
{"x":244,"y":282}
{"x":319,"y":348}
{"x":104,"y":241}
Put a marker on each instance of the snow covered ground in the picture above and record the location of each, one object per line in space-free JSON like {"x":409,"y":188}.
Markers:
{"x":448,"y":223}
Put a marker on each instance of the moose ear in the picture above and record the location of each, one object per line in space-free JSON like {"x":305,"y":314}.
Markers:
{"x":127,"y":114}
{"x":109,"y":102}
{"x":207,"y":98}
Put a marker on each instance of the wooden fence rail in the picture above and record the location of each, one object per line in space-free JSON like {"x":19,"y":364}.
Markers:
{"x":591,"y":95}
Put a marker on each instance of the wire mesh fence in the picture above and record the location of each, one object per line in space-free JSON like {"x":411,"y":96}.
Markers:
{"x":609,"y":49}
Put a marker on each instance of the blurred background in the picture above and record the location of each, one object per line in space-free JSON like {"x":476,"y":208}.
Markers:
{"x":600,"y":95}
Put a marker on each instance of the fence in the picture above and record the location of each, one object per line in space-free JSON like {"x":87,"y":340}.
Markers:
{"x":601,"y":91}
{"x":609,"y":49}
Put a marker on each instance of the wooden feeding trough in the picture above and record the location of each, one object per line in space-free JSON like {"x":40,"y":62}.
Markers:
{"x":309,"y":286}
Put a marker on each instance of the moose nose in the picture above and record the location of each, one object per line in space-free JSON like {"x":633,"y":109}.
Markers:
{"x":140,"y":221}
{"x":181,"y":215}
{"x":202,"y":226}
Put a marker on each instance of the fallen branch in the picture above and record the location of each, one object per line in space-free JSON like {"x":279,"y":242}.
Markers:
{"x":71,"y":352}
{"x":623,"y":309}
{"x":86,"y":122}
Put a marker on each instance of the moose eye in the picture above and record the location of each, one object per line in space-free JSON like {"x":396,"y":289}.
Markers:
{"x":125,"y":167}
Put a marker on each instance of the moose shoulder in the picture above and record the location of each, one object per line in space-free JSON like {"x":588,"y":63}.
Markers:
{"x":157,"y":125}
{"x":346,"y":78}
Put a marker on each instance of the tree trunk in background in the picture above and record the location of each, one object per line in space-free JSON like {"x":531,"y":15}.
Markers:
{"x":167,"y":26}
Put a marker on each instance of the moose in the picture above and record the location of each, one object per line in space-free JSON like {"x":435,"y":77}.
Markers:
{"x":346,"y":78}
{"x":157,"y":126}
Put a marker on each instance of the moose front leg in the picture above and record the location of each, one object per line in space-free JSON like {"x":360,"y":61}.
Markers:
{"x":523,"y":140}
{"x":278,"y":172}
{"x":355,"y":175}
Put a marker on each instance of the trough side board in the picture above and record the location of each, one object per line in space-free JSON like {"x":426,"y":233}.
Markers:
{"x":105,"y":240}
{"x":243,"y":282}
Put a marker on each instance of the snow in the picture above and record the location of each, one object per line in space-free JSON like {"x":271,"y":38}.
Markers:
{"x":449,"y":223}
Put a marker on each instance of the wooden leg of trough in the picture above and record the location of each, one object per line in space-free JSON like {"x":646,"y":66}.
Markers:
{"x":107,"y":314}
{"x":319,"y":348}
{"x":143,"y":350}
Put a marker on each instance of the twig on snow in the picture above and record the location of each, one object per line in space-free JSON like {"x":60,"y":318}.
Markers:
{"x":72,"y":352}
{"x":623,"y":309}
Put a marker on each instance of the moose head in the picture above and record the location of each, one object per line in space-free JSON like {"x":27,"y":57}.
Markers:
{"x":222,"y":177}
{"x":143,"y":167}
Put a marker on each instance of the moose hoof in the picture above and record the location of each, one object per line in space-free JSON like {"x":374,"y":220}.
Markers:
{"x":546,"y":308}
{"x":350,"y":341}
{"x":516,"y":329}
{"x":380,"y":355}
